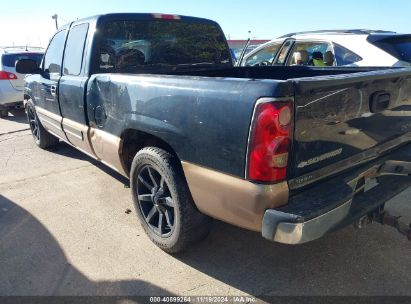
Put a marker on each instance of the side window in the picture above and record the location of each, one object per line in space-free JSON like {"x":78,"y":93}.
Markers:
{"x":264,"y":56}
{"x":73,"y":55}
{"x":54,"y":54}
{"x":312,"y":53}
{"x":282,"y":57}
{"x":344,"y":56}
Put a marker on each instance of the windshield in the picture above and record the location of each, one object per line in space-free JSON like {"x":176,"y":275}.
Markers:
{"x":397,"y":46}
{"x":135,"y":45}
{"x":9,"y":60}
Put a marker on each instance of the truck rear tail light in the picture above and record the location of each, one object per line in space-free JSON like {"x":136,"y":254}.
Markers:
{"x":270,"y":141}
{"x":7,"y":76}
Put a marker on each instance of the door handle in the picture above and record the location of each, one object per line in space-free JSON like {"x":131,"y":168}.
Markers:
{"x":53,"y":90}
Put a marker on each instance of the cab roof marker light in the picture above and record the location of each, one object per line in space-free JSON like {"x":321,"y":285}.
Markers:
{"x":166,"y":16}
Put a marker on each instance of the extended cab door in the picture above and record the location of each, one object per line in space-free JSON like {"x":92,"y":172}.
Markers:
{"x":46,"y":101}
{"x":72,"y":88}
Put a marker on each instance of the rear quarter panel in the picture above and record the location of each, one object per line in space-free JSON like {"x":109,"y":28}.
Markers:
{"x":205,"y":120}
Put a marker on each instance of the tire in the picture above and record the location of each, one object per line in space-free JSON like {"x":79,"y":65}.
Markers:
{"x":41,"y":137}
{"x":159,"y":187}
{"x":3,"y":112}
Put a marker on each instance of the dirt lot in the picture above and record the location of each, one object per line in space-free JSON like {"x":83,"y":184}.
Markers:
{"x":64,"y":231}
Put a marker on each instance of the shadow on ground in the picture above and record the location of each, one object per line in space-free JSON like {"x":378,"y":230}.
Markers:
{"x":17,"y":115}
{"x":32,"y":262}
{"x":373,"y":261}
{"x":66,"y":150}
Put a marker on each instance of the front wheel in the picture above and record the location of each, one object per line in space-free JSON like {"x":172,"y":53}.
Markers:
{"x":163,"y":201}
{"x":41,"y":137}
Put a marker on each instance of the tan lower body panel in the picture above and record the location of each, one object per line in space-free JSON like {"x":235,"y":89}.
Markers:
{"x":98,"y":144}
{"x":50,"y":121}
{"x":77,"y":134}
{"x":107,"y":148}
{"x":233,"y":200}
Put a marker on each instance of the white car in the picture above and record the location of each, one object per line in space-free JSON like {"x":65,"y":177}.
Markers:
{"x":11,"y":82}
{"x":334,"y":48}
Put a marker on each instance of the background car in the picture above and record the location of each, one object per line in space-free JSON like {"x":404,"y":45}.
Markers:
{"x":334,"y":48}
{"x":237,"y":46}
{"x":11,"y":82}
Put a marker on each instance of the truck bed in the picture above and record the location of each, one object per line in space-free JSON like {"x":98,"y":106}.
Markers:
{"x":334,"y":126}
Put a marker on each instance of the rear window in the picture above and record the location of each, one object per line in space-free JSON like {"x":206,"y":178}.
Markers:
{"x":397,"y":46}
{"x":9,"y":60}
{"x":135,"y":45}
{"x":345,"y":56}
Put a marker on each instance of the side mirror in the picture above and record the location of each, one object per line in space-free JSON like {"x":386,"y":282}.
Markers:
{"x":27,"y":66}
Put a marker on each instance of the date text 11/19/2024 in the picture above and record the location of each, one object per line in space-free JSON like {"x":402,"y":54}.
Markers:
{"x":204,"y":299}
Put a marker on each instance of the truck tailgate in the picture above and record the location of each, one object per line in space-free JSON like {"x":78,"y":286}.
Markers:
{"x":344,"y":120}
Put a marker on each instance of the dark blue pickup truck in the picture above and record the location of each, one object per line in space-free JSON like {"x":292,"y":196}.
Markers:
{"x":291,"y":152}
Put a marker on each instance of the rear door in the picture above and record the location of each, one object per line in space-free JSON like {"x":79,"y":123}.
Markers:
{"x":303,"y":53}
{"x":345,"y":120}
{"x":72,"y":88}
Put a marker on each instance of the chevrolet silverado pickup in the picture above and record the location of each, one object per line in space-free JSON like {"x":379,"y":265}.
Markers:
{"x":290,"y":152}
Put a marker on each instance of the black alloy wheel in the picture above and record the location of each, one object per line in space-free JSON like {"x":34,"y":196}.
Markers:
{"x":155,"y":201}
{"x":34,"y":123}
{"x":163,"y":202}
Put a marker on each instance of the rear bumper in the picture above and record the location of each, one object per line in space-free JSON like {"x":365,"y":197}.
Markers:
{"x":9,"y":95}
{"x":337,"y":203}
{"x":289,"y":232}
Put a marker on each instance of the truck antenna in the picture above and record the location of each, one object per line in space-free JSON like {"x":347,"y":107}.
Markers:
{"x":55,"y":17}
{"x":244,"y":49}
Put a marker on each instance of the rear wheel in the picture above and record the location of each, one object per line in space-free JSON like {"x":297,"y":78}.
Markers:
{"x":163,"y":201}
{"x":41,"y":137}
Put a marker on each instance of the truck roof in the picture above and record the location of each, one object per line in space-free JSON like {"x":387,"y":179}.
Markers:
{"x":144,"y":16}
{"x":20,"y":49}
{"x":340,"y":32}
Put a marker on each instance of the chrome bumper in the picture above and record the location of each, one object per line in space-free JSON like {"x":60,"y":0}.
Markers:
{"x":339,"y":202}
{"x":285,"y":228}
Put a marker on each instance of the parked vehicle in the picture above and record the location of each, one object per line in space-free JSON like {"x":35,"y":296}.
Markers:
{"x":292,"y":153}
{"x":11,"y":82}
{"x":335,"y":48}
{"x":237,"y":46}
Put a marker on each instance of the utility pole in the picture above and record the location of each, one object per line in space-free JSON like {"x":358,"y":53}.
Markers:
{"x":55,"y":16}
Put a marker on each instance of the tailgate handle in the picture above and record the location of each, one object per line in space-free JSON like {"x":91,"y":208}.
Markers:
{"x":379,"y":101}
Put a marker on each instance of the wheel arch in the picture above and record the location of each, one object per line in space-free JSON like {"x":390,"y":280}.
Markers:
{"x":26,"y":99}
{"x":133,"y":140}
